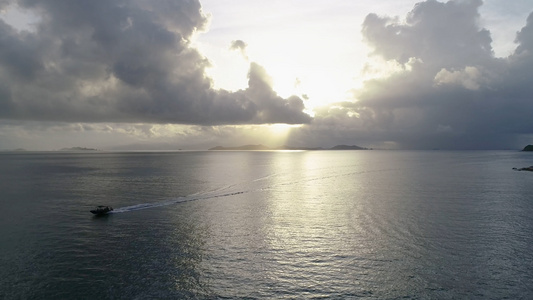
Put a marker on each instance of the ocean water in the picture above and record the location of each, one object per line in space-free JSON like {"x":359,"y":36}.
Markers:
{"x":267,"y":225}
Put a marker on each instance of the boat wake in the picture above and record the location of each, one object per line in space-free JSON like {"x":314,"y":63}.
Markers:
{"x":194,"y":197}
{"x":260,"y":184}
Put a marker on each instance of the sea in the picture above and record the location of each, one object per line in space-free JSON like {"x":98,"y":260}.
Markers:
{"x":369,"y":224}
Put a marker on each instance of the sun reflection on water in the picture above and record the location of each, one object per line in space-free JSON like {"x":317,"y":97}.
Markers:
{"x":309,"y":224}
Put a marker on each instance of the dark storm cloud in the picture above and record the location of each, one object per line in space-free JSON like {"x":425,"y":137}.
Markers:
{"x":4,"y":3}
{"x":525,"y":38}
{"x":444,"y":35}
{"x":450,"y":91}
{"x":124,"y":61}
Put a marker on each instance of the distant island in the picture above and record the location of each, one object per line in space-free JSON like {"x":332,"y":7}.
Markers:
{"x":266,"y":148}
{"x":14,"y":150}
{"x":78,"y":149}
{"x":346,"y":147}
{"x":528,"y":148}
{"x":524,"y":169}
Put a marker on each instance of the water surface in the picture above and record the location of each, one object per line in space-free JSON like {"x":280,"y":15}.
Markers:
{"x":264,"y":225}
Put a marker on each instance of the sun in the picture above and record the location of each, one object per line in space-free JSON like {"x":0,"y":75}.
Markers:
{"x":307,"y":69}
{"x":318,"y":69}
{"x":317,"y":85}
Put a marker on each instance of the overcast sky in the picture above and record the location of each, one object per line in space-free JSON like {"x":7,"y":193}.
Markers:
{"x":139,"y":74}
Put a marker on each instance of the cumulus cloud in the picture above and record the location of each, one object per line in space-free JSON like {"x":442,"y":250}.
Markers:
{"x":444,"y":35}
{"x":124,"y":61}
{"x":525,"y":39}
{"x":469,"y":77}
{"x":240,"y":46}
{"x":456,"y":95}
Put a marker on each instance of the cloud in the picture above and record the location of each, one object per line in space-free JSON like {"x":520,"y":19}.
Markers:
{"x":469,"y":77}
{"x":122,"y":70}
{"x":4,"y":4}
{"x":450,"y":90}
{"x":240,"y":46}
{"x":446,"y":35}
{"x":525,"y":39}
{"x":128,"y":61}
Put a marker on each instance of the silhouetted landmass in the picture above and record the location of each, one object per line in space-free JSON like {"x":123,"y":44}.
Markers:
{"x":346,"y":147}
{"x":14,"y":150}
{"x":528,"y":148}
{"x":285,"y":147}
{"x":245,"y":147}
{"x":78,"y":149}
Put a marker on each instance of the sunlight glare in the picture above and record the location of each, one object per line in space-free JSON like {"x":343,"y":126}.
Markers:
{"x":310,"y":59}
{"x":279,"y":133}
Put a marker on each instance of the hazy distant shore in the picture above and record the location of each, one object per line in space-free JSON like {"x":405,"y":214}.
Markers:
{"x":266,"y":148}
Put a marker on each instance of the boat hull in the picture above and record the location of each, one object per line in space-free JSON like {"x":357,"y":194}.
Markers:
{"x":101,"y":210}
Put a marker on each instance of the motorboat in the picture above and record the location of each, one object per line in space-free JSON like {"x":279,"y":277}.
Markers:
{"x":101,"y":210}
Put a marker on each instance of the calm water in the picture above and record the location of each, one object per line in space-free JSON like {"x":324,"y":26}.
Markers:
{"x":267,"y":225}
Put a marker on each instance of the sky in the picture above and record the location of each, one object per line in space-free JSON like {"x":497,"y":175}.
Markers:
{"x":187,"y":74}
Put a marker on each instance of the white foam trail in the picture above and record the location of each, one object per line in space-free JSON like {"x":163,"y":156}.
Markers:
{"x":170,"y":202}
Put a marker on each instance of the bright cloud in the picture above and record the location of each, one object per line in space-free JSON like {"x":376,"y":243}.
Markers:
{"x":469,"y":77}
